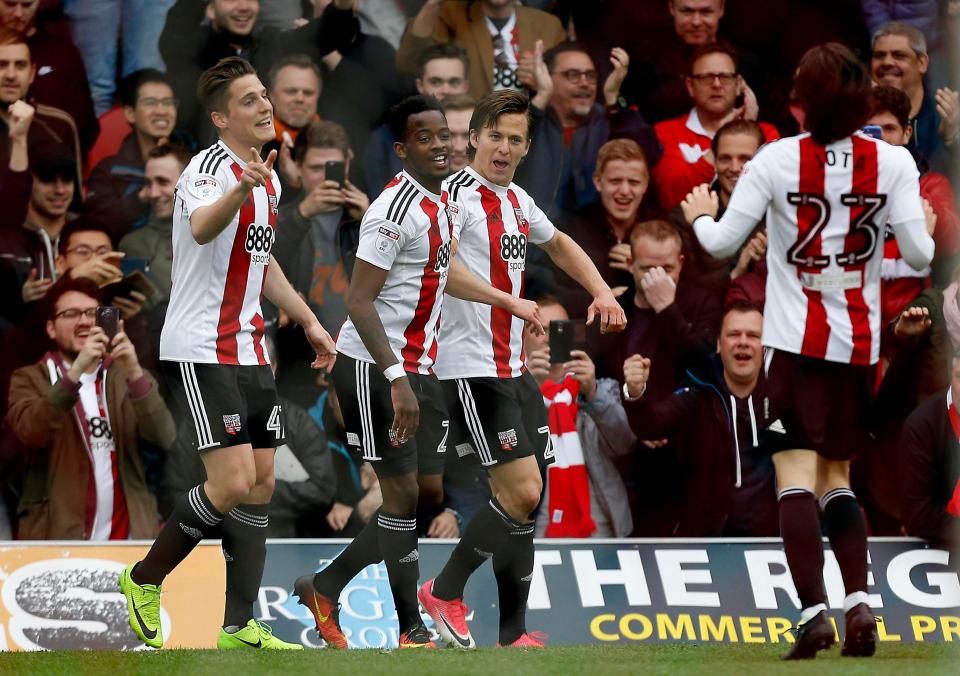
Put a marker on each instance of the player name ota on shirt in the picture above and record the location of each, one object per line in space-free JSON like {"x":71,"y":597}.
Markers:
{"x":825,"y":235}
{"x":407,"y":231}
{"x":214,"y":316}
{"x":496,"y":224}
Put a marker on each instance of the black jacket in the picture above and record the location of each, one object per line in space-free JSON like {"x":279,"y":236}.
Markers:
{"x":728,"y":482}
{"x":930,"y":472}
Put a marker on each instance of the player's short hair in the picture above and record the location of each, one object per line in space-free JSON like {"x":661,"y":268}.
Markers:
{"x":550,"y":56}
{"x":216,"y":80}
{"x":623,"y":149}
{"x":442,"y":50}
{"x":321,"y":134}
{"x":741,"y":305}
{"x":746,"y":127}
{"x":129,"y":87}
{"x":86,"y":223}
{"x":181,"y":151}
{"x":401,"y":112}
{"x":458,"y":102}
{"x":890,"y":100}
{"x":301,"y":61}
{"x":918,"y":43}
{"x":65,"y":285}
{"x":491,"y":107}
{"x":832,"y":87}
{"x":658,"y":229}
{"x":9,"y":36}
{"x":718,"y":47}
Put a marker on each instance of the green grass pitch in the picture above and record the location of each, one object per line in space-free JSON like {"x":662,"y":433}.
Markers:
{"x":715,"y":660}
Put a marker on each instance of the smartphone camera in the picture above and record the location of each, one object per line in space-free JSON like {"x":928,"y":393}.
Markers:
{"x":566,"y":335}
{"x":108,"y":319}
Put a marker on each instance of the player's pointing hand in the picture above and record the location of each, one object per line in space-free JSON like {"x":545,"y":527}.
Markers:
{"x":257,"y":172}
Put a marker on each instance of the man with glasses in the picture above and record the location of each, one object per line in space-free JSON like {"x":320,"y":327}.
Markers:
{"x":570,"y":126}
{"x":113,"y":189}
{"x":505,"y":61}
{"x":81,"y":410}
{"x":720,"y":95}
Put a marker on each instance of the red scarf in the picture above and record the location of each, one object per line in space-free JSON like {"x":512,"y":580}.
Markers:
{"x":953,"y":507}
{"x":569,"y":485}
{"x":120,"y":522}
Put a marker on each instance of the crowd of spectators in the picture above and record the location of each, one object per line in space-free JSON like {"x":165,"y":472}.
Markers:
{"x":635,"y":102}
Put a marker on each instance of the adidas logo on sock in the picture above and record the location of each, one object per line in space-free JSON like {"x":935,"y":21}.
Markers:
{"x":411,"y":557}
{"x":226,"y":555}
{"x":482,"y":553}
{"x":527,"y":578}
{"x":192,"y":532}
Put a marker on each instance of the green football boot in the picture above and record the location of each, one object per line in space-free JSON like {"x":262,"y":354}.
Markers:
{"x":254,"y":635}
{"x":143,"y":605}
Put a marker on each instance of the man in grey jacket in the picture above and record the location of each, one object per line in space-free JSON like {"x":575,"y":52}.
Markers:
{"x":602,"y":429}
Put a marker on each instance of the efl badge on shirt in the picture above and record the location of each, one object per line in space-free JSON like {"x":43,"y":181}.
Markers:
{"x":386,"y":239}
{"x":204,"y":186}
{"x":231,"y":423}
{"x":273,"y":203}
{"x":521,"y":221}
{"x":508,"y":439}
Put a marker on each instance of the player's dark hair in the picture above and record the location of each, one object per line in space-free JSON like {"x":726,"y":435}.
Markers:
{"x":401,"y":112}
{"x":301,"y":61}
{"x":833,"y":88}
{"x":442,"y":50}
{"x":64,"y":285}
{"x":321,"y":134}
{"x":129,"y":87}
{"x":718,"y":47}
{"x":215,"y":81}
{"x":182,"y":152}
{"x":492,"y":106}
{"x":86,"y":223}
{"x":550,"y":56}
{"x":746,"y":127}
{"x":891,"y":100}
{"x":741,"y":305}
{"x":9,"y":36}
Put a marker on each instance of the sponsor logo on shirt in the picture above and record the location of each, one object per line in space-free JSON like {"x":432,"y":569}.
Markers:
{"x":521,"y":221}
{"x":259,"y":242}
{"x":508,"y":439}
{"x":273,"y":203}
{"x":231,"y":423}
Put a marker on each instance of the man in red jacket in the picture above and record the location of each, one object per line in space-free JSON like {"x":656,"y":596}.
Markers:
{"x":901,"y":284}
{"x":720,"y":95}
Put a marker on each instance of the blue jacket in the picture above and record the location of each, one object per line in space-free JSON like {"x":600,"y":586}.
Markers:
{"x":561,"y":179}
{"x":922,"y":14}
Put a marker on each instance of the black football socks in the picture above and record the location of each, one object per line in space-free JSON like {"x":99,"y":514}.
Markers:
{"x":803,"y":545}
{"x":847,"y":531}
{"x":398,"y":545}
{"x":245,"y":550}
{"x":363,"y":550}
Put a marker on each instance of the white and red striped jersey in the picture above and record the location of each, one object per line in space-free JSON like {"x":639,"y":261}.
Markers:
{"x":826,"y":207}
{"x":496,"y":223}
{"x":407,"y":232}
{"x":214,"y":315}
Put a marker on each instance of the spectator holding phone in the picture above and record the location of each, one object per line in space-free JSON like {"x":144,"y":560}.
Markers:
{"x":317,"y":236}
{"x":81,"y":411}
{"x":152,"y":244}
{"x":584,"y":495}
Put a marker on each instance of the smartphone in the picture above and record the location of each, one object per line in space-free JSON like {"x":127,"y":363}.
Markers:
{"x":566,"y":335}
{"x":335,"y":170}
{"x":873,"y":130}
{"x":129,"y":265}
{"x":108,"y":319}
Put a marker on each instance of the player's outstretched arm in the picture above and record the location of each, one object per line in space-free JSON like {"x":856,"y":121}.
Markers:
{"x":365,"y":285}
{"x":722,"y":238}
{"x":571,"y":258}
{"x":282,"y":294}
{"x":209,"y":221}
{"x":463,"y":284}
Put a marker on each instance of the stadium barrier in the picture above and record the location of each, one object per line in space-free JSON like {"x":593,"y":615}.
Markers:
{"x":63,"y":596}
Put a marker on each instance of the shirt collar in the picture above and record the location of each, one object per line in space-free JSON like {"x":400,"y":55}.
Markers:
{"x":696,"y":126}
